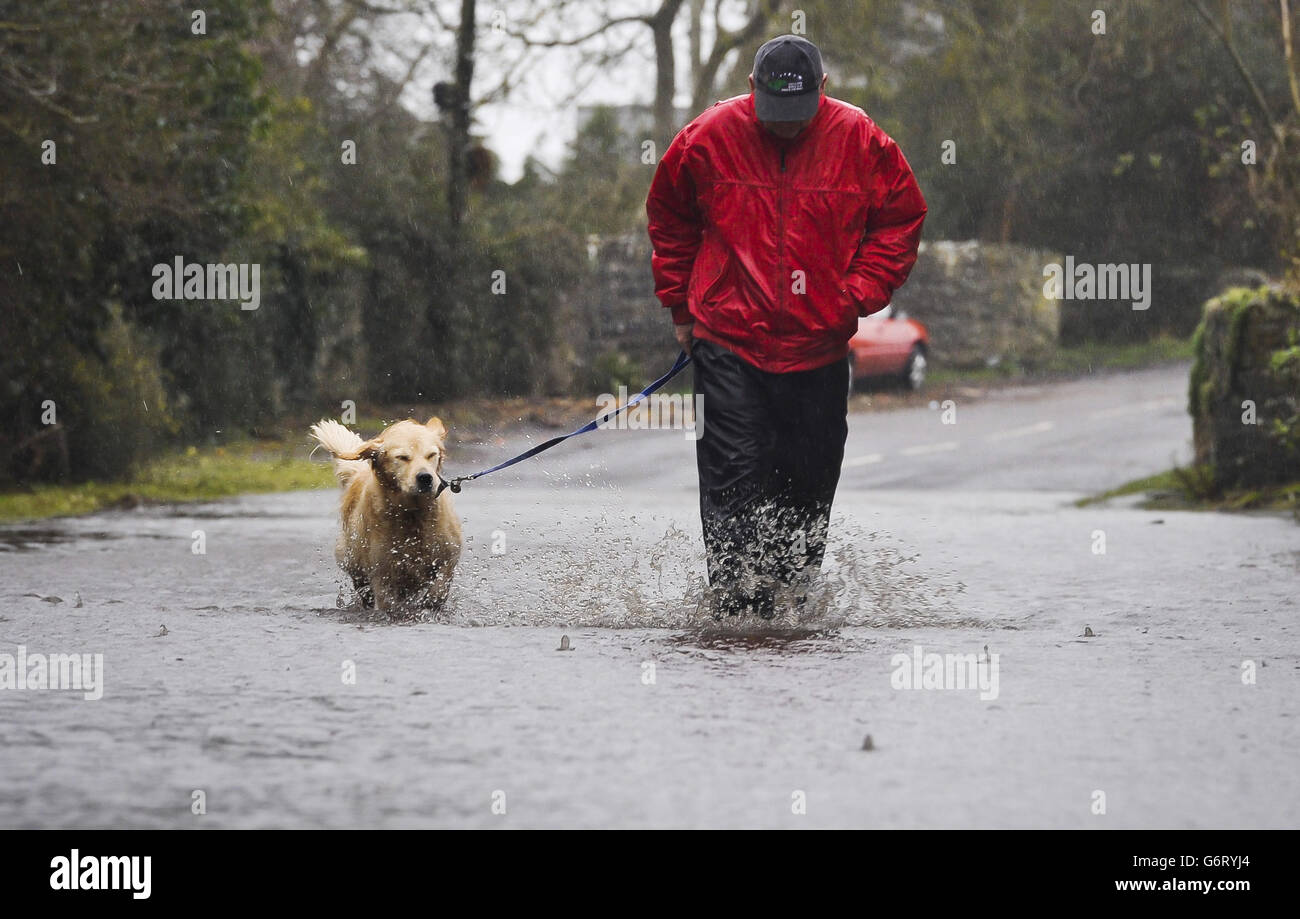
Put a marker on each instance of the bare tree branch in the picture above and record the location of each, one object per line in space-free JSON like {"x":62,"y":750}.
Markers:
{"x":760,"y":16}
{"x":395,"y":91}
{"x":581,"y":39}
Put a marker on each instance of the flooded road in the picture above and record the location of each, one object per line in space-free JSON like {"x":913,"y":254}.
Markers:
{"x":1154,"y":683}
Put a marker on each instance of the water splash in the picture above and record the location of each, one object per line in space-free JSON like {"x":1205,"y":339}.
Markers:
{"x":619,"y":575}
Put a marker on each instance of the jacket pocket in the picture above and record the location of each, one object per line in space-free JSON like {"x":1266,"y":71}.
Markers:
{"x":708,"y":272}
{"x":834,"y":311}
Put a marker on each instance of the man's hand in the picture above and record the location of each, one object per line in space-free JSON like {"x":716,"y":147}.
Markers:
{"x":684,"y":336}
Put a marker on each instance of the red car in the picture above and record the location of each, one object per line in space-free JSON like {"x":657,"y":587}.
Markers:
{"x":889,"y":345}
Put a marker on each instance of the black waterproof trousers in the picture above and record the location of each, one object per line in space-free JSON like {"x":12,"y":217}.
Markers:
{"x":769,"y":459}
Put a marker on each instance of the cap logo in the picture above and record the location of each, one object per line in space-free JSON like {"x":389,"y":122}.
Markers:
{"x":786,"y":83}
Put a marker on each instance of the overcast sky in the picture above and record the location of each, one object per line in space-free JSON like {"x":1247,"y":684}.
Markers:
{"x":536,"y":119}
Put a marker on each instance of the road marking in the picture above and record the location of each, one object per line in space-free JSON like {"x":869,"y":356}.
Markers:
{"x":863,"y":460}
{"x":1039,"y":428}
{"x":931,"y":448}
{"x":1150,"y":405}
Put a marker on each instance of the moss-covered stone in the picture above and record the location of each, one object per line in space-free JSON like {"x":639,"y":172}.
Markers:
{"x":1246,"y":353}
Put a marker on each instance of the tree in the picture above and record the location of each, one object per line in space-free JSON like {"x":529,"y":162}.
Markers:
{"x":608,"y":32}
{"x":123,"y":136}
{"x":453,"y":101}
{"x":1279,"y":193}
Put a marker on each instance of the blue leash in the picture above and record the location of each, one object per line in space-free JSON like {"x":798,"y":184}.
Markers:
{"x":454,"y":484}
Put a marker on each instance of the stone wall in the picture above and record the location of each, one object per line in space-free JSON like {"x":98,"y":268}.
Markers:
{"x":983,"y":303}
{"x":620,"y":310}
{"x":1247,"y":369}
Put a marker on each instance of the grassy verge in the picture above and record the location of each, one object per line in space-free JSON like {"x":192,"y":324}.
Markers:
{"x":191,"y":475}
{"x":1189,"y":489}
{"x":1083,"y":359}
{"x":277,"y":459}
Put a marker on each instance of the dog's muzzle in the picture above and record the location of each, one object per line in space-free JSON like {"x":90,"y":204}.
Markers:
{"x":424,"y":482}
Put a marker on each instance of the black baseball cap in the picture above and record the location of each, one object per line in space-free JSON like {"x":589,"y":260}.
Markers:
{"x":787,"y":79}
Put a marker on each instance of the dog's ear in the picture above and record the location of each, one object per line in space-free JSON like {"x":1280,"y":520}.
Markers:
{"x":368,"y":451}
{"x":435,"y":425}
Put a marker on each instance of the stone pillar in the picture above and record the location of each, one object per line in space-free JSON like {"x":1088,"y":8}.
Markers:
{"x":1244,"y":392}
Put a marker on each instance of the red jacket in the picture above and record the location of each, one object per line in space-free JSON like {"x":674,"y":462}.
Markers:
{"x":775,"y":247}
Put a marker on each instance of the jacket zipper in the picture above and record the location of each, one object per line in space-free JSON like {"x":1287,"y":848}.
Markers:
{"x":782,"y":280}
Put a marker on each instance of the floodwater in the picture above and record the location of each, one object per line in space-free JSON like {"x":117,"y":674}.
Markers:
{"x":233,"y":679}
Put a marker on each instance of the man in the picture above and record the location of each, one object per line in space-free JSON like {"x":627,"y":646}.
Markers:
{"x":777,"y":219}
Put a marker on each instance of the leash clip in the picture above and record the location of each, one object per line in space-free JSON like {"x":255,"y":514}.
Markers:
{"x":444,"y":484}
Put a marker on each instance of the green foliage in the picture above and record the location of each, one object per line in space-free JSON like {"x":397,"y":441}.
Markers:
{"x":1197,"y":482}
{"x":1285,"y":365}
{"x":118,"y":408}
{"x":110,"y":410}
{"x":222,"y":148}
{"x":150,"y":125}
{"x":1123,"y":147}
{"x":603,"y":185}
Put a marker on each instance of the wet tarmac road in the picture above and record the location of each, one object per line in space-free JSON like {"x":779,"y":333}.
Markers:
{"x":270,"y":706}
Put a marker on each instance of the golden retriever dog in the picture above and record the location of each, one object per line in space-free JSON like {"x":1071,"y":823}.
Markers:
{"x":401,"y":537}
